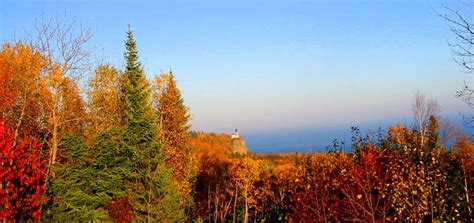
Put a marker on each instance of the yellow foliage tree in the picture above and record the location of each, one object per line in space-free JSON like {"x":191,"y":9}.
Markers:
{"x":104,"y":102}
{"x":246,"y":172}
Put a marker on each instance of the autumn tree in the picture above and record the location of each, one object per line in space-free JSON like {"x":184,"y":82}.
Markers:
{"x":65,"y":108}
{"x":262,"y":194}
{"x":105,"y":107}
{"x":215,"y":190}
{"x":464,"y":156}
{"x":366,"y":188}
{"x":423,"y":184}
{"x":45,"y":103}
{"x":282,"y":184}
{"x":6,"y":86}
{"x":317,"y":188}
{"x":459,"y":179}
{"x":246,"y":173}
{"x":173,"y":124}
{"x":23,"y":68}
{"x":63,"y":43}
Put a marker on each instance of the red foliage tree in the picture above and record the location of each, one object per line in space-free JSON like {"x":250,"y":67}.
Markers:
{"x":317,"y":192}
{"x":366,"y":192}
{"x":22,"y":176}
{"x":121,"y":210}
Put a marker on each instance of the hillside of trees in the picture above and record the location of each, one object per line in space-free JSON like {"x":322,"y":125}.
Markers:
{"x":121,"y":150}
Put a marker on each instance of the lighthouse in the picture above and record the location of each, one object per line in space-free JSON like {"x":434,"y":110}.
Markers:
{"x":235,"y":135}
{"x":238,"y":143}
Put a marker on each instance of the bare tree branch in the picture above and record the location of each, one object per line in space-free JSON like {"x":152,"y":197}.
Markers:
{"x":422,"y":109}
{"x":64,"y":41}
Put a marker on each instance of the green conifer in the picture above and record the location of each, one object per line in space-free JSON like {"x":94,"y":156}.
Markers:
{"x":149,"y":182}
{"x":136,"y":97}
{"x":74,"y":192}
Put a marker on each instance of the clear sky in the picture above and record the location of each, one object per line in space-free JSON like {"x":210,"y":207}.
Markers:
{"x":262,"y":66}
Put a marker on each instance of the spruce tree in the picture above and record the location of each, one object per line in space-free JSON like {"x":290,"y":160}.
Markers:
{"x":150,"y":184}
{"x":74,"y":192}
{"x":136,"y":96}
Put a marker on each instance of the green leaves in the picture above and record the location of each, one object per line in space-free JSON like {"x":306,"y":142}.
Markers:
{"x":74,"y":190}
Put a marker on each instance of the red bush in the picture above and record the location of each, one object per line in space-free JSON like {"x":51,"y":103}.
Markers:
{"x":22,"y":176}
{"x":120,"y":209}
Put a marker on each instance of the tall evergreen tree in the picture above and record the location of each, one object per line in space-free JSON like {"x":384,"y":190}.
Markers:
{"x":136,"y":96}
{"x":149,"y":182}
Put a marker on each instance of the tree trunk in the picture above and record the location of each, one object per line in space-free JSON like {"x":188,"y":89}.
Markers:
{"x":209,"y":200}
{"x":246,"y":217}
{"x":216,"y":204}
{"x":54,"y":147}
{"x":235,"y":204}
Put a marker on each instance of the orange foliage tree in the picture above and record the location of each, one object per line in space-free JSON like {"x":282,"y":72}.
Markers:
{"x":22,"y":68}
{"x":215,"y":191}
{"x":64,"y":106}
{"x":173,"y":124}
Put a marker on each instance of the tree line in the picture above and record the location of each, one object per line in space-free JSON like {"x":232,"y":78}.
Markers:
{"x":398,"y":175}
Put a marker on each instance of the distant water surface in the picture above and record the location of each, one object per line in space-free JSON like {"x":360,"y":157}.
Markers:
{"x":306,"y":140}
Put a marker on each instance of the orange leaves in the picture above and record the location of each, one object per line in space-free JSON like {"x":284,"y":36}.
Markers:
{"x":105,"y":106}
{"x":464,"y":150}
{"x":215,"y":190}
{"x":6,"y":86}
{"x":173,"y":127}
{"x":215,"y":145}
{"x":246,"y":171}
{"x":22,"y":67}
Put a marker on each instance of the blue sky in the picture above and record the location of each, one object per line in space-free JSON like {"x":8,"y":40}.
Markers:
{"x":263,"y":66}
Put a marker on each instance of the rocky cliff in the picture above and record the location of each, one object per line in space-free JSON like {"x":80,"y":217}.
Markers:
{"x":238,"y":146}
{"x":212,"y":144}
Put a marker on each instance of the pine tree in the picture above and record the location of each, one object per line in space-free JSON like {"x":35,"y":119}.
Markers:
{"x":136,"y":97}
{"x":75,"y":191}
{"x":149,"y":183}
